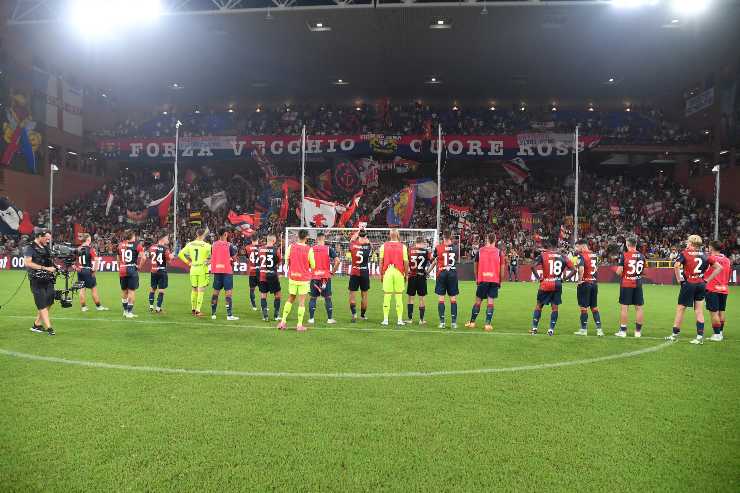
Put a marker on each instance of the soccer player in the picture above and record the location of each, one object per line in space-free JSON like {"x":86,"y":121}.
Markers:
{"x":629,"y":269}
{"x":196,"y":255}
{"x":553,"y":265}
{"x":447,"y":285}
{"x":420,"y":257}
{"x":222,"y":268}
{"x":253,"y":251}
{"x":326,"y":258}
{"x":394,"y":263}
{"x":513,"y":266}
{"x":359,"y":274}
{"x":129,"y":264}
{"x":86,"y":274}
{"x":299,"y":258}
{"x":269,"y":258}
{"x":489,"y":267}
{"x":689,"y":268}
{"x":717,"y":290}
{"x":588,"y":290}
{"x":159,"y":255}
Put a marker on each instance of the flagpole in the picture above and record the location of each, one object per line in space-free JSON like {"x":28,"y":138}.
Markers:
{"x":716,"y":204}
{"x":575,"y":213}
{"x":303,"y":173}
{"x":439,"y":177}
{"x":174,"y":198}
{"x":51,"y":200}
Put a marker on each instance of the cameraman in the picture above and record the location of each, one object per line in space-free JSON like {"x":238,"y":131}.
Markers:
{"x":37,"y":257}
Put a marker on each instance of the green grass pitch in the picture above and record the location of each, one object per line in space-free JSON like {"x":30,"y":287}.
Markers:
{"x":548,"y":413}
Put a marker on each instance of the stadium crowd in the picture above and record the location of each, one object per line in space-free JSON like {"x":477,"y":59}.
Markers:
{"x":638,"y":126}
{"x":611,"y":208}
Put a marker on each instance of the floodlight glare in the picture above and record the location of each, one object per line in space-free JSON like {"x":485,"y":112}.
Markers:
{"x":634,"y":3}
{"x":689,"y":7}
{"x":97,"y":18}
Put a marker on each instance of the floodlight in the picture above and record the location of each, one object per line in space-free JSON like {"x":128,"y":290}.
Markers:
{"x":99,"y":18}
{"x":689,"y":7}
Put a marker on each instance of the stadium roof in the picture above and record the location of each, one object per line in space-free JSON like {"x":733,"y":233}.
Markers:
{"x":569,"y":52}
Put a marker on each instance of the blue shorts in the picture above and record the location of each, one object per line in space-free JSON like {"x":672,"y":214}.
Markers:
{"x":487,"y":290}
{"x":316,"y":291}
{"x":223,"y":281}
{"x":159,"y":280}
{"x":631,"y":296}
{"x":588,"y":295}
{"x":550,"y":297}
{"x":87,"y":277}
{"x":716,"y":302}
{"x":447,"y":283}
{"x":130,"y":282}
{"x":691,"y":292}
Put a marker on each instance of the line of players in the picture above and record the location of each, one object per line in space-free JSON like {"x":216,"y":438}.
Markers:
{"x":701,"y":276}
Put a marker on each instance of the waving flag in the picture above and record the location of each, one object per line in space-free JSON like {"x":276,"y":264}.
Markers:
{"x":264,"y":163}
{"x":216,"y":201}
{"x":319,"y":213}
{"x":518,"y":171}
{"x":426,"y":189}
{"x":383,"y":204}
{"x":459,"y":210}
{"x":157,"y":208}
{"x":285,"y":203}
{"x":351,"y":208}
{"x":109,"y":202}
{"x":401,"y":208}
{"x":246,"y":223}
{"x":10,"y":217}
{"x":527,"y":219}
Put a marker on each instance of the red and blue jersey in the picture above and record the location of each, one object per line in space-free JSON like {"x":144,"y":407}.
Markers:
{"x":553,"y":266}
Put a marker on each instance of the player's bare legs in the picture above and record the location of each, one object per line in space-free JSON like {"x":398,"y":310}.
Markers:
{"x":678,"y":319}
{"x":83,"y":298}
{"x":43,"y":316}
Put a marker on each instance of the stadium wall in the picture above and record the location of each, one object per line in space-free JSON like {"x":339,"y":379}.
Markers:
{"x":606,"y":274}
{"x":31,"y":192}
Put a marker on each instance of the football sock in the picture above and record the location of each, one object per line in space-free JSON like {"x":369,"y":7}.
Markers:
{"x":228,"y":306}
{"x":160,"y":299}
{"x":311,"y":307}
{"x":700,"y":329}
{"x":251,"y":298}
{"x":676,"y":330}
{"x":717,"y":328}
{"x":441,"y":311}
{"x":553,"y":320}
{"x":130,"y":307}
{"x":276,"y":306}
{"x":474,"y":312}
{"x":410,"y":310}
{"x":722,"y":326}
{"x":199,"y":301}
{"x":489,"y":315}
{"x":353,"y":309}
{"x":584,"y":320}
{"x":329,"y":307}
{"x":301,"y":313}
{"x":124,"y":304}
{"x":151,"y":298}
{"x":263,"y":305}
{"x":422,"y":309}
{"x":363,"y":310}
{"x":536,"y":318}
{"x":453,"y":311}
{"x":638,"y":327}
{"x":214,"y":304}
{"x":386,"y":305}
{"x":597,"y":318}
{"x":399,"y":305}
{"x":286,"y":310}
{"x":98,"y":304}
{"x":193,"y":299}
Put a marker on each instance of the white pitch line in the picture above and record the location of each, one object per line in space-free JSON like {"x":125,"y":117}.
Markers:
{"x":359,"y":328}
{"x":340,"y":375}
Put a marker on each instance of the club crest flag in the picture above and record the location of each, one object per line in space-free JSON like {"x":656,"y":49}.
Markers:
{"x":401,"y":208}
{"x":319,"y":213}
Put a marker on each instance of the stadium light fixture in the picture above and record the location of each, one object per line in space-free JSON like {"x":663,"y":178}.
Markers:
{"x":455,"y":107}
{"x":722,"y":153}
{"x":697,"y":160}
{"x":258,"y":109}
{"x":554,"y":108}
{"x":318,"y":27}
{"x":628,"y":109}
{"x":433,"y":80}
{"x":231,"y":109}
{"x":440,"y":23}
{"x":706,"y":131}
{"x":164,"y":113}
{"x":493,"y":107}
{"x":357,"y":108}
{"x":340,"y":82}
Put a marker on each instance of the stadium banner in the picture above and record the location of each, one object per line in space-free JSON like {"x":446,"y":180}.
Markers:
{"x":488,"y":147}
{"x":606,"y":274}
